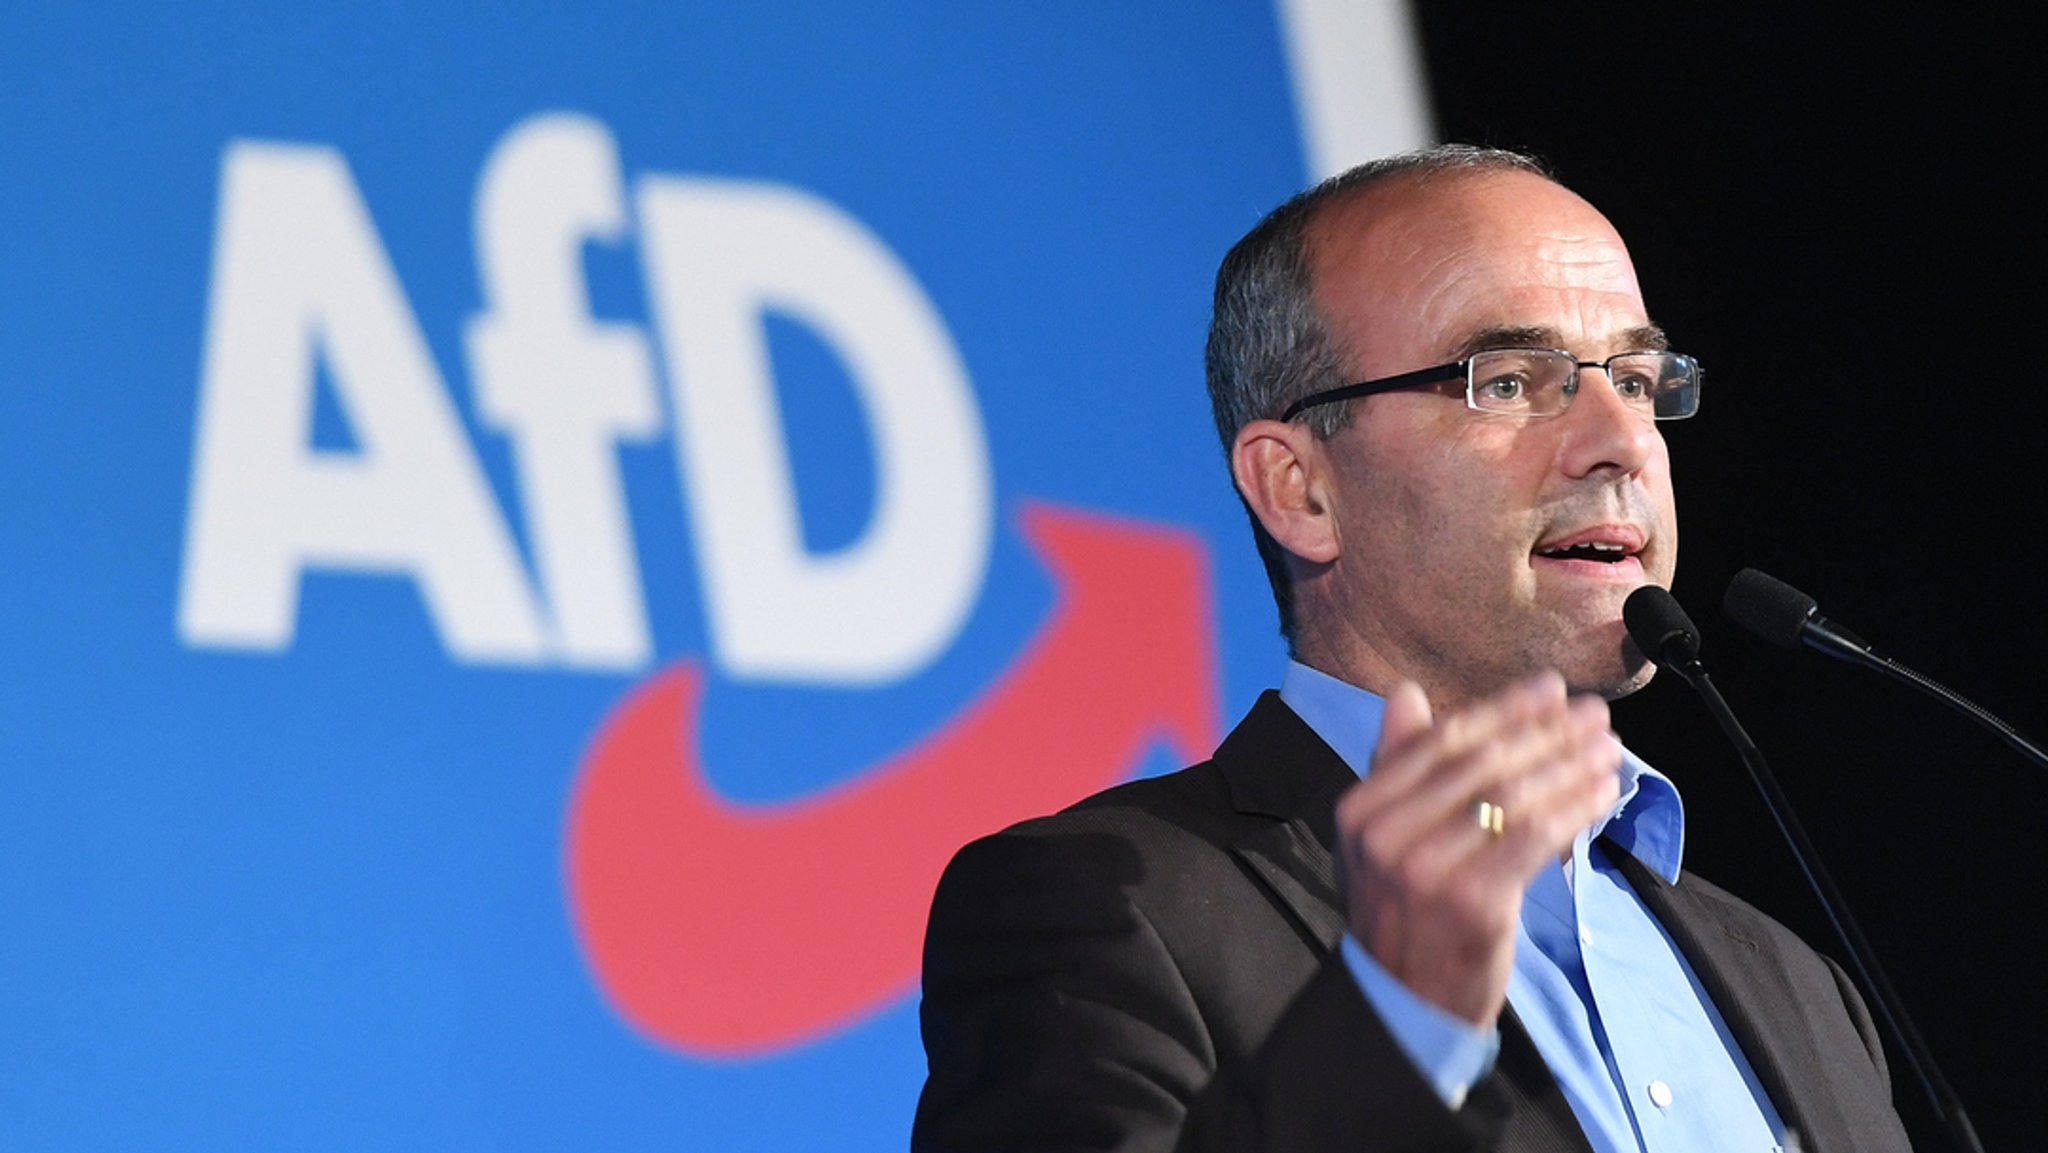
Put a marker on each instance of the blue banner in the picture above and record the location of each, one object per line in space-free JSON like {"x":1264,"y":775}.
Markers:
{"x":534,"y":533}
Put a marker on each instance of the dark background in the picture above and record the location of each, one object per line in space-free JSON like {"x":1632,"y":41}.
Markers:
{"x":1839,"y":214}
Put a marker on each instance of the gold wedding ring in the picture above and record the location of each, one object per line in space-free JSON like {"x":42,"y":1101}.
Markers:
{"x":1490,"y":816}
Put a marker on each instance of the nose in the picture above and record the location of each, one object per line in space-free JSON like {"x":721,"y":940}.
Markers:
{"x":1602,"y":432}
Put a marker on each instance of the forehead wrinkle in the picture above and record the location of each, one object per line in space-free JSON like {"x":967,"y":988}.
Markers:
{"x":1595,"y":270}
{"x":1600,"y":265}
{"x":1561,"y":245}
{"x":1607,"y":320}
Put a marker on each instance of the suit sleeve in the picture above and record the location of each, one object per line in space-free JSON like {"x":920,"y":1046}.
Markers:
{"x":1057,"y":1016}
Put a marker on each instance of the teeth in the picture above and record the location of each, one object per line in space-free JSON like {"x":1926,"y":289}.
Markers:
{"x":1602,"y":547}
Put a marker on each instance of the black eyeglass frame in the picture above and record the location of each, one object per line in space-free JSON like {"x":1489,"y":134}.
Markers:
{"x":1423,"y":377}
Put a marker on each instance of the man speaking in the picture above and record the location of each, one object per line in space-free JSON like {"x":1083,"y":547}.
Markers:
{"x":1439,"y":392}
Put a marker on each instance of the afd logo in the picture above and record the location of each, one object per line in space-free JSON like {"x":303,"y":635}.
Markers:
{"x":711,"y":926}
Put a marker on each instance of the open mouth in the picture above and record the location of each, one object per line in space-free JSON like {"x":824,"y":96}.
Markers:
{"x":1599,"y":551}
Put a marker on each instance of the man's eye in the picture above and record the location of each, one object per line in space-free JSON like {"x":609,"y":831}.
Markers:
{"x":1632,"y":386}
{"x":1503,"y":389}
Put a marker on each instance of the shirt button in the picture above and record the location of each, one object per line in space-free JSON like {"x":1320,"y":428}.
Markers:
{"x":1586,"y":938}
{"x":1660,"y":1094}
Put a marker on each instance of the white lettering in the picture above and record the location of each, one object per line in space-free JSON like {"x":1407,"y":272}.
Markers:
{"x":299,"y":272}
{"x":561,"y":386}
{"x":719,"y":254}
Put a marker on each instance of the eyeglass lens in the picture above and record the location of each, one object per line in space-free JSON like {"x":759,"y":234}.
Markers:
{"x":1542,"y":382}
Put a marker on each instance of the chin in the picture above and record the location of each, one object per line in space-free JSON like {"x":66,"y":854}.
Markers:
{"x":1614,"y":670}
{"x":1630,"y":681}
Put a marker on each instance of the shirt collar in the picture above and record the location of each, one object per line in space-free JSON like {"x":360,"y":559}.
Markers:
{"x":1648,"y":821}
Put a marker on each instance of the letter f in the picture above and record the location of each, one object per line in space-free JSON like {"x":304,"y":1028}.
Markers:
{"x":563,"y":387}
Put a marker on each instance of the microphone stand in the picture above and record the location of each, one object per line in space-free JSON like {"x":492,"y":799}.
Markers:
{"x":1869,"y":658}
{"x":1788,"y":618}
{"x":1862,"y":960}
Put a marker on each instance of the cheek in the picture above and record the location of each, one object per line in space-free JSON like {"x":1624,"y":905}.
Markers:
{"x":1667,"y":558}
{"x":1465,"y":512}
{"x":1665,"y":500}
{"x":1445,"y":498}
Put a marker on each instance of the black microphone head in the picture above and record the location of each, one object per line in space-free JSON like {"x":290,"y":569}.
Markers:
{"x":1768,"y":607}
{"x":1660,"y":627}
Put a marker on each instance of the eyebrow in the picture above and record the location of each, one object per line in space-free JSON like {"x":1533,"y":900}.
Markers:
{"x":1642,"y":338}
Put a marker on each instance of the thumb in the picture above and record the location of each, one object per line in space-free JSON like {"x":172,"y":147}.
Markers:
{"x":1406,"y":717}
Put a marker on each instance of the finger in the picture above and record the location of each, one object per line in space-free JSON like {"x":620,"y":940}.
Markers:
{"x":1406,"y":755}
{"x":1552,"y":780}
{"x":1548,"y":808}
{"x":1398,"y":812}
{"x":1541,"y":694}
{"x":1429,"y":892}
{"x":1406,"y":717}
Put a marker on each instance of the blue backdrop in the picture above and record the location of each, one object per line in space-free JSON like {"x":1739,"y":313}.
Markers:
{"x":385,"y":393}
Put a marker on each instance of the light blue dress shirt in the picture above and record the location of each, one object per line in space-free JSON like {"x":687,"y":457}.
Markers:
{"x":1620,"y":1018}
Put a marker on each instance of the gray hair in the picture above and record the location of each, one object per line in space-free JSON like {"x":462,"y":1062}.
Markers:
{"x":1269,"y":347}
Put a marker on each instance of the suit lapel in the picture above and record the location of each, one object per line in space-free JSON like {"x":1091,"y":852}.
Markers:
{"x":1753,"y":995}
{"x":1298,"y":871}
{"x":1276,"y":767}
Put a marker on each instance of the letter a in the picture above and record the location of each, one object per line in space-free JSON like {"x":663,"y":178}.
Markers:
{"x":299,"y":272}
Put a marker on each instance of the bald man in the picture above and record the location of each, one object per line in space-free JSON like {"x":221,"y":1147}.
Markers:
{"x":1420,"y":898}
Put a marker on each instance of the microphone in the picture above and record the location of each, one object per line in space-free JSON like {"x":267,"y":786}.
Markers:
{"x":1659,"y":627}
{"x":1788,"y":618}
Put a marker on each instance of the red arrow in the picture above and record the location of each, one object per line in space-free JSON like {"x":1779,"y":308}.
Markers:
{"x":732,"y":929}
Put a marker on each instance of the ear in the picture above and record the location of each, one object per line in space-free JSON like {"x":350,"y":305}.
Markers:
{"x":1279,"y":468}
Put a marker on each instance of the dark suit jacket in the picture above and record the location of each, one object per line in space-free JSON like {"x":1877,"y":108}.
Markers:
{"x":1156,"y":969}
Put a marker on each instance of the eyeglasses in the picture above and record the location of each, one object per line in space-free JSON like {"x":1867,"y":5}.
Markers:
{"x":1542,"y":382}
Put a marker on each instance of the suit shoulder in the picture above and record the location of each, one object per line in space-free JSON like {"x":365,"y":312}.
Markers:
{"x":1192,"y":802}
{"x":1740,"y":918}
{"x":1151,"y":841}
{"x":1757,"y":932}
